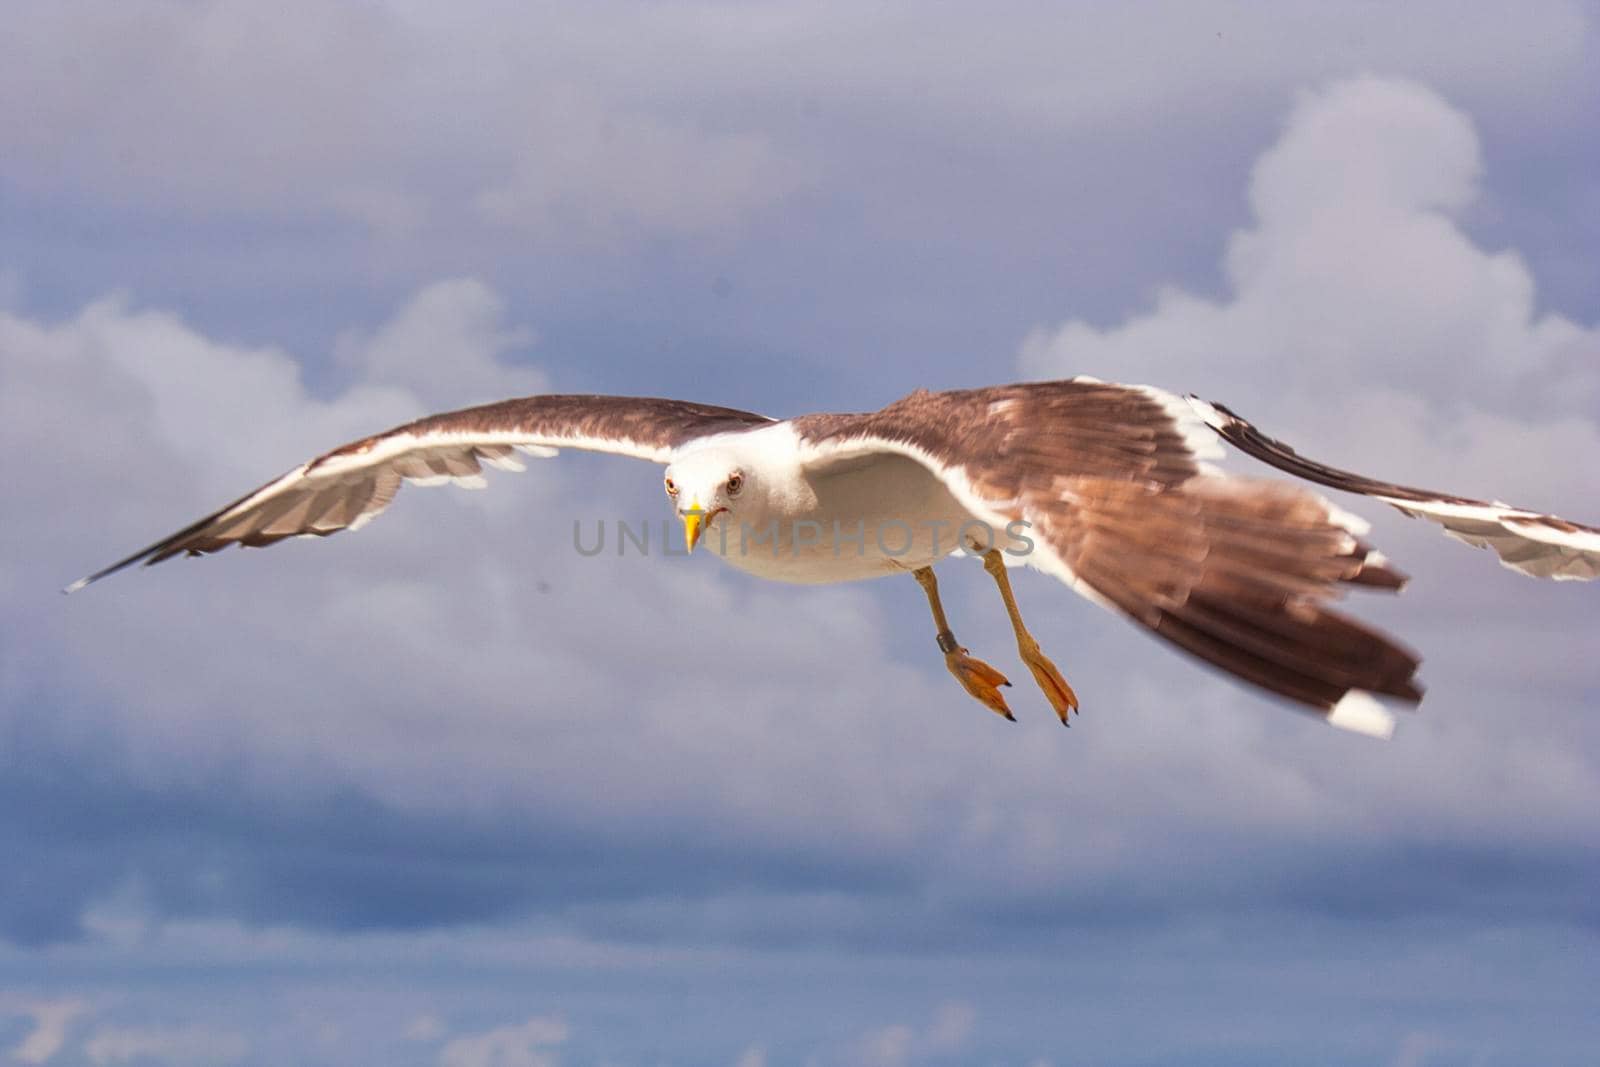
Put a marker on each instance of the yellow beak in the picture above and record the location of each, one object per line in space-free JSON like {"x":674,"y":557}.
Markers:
{"x":693,"y":520}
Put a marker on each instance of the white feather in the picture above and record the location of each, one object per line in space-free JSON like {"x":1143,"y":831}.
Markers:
{"x":1359,"y":713}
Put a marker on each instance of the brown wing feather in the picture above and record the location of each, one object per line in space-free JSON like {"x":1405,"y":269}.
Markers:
{"x":1239,"y":573}
{"x":1017,"y":439}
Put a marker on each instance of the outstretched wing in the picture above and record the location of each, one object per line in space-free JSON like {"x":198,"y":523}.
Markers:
{"x":1544,"y":546}
{"x":347,"y":487}
{"x":1235,"y":571}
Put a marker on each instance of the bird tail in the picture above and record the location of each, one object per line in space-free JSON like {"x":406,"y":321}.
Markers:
{"x":1239,"y":573}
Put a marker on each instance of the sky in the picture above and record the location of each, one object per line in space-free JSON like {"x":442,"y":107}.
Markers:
{"x":446,"y":792}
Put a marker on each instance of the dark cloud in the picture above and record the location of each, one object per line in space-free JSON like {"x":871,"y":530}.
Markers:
{"x":80,"y":831}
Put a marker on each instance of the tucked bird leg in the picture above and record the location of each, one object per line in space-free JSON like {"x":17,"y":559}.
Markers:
{"x":975,"y":676}
{"x":1055,"y":687}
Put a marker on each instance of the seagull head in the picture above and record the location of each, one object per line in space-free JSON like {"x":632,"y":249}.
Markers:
{"x":703,"y":486}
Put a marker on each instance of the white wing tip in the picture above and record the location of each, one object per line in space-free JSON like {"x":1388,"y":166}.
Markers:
{"x":1540,"y":546}
{"x":68,"y":590}
{"x":1359,"y":713}
{"x":1208,"y":413}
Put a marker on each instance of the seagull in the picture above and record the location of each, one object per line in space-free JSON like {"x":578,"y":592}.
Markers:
{"x":1107,"y":487}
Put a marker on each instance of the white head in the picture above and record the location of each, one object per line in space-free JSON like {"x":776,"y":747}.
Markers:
{"x":705,"y":486}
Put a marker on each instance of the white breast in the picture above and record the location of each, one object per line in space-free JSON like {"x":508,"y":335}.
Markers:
{"x":868,"y":518}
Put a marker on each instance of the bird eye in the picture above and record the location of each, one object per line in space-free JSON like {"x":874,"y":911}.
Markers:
{"x":735,"y":483}
{"x":672,"y":487}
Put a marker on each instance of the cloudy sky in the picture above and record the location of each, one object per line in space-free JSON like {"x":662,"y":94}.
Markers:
{"x":446,"y":793}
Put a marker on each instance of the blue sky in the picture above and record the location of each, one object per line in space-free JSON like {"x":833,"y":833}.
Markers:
{"x":446,"y":793}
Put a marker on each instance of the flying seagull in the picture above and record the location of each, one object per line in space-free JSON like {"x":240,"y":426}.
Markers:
{"x":1101,"y":485}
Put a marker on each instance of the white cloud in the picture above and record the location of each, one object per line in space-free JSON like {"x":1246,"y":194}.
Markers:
{"x":447,"y":346}
{"x":530,"y":1044}
{"x":153,"y":382}
{"x":50,"y":1021}
{"x":754,"y":1056}
{"x":1353,"y":258}
{"x":1358,"y":287}
{"x":179,"y":1046}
